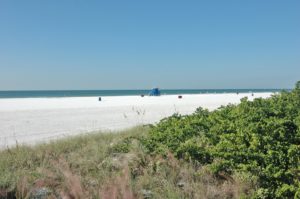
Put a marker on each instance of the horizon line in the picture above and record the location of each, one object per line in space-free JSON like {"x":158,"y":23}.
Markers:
{"x":15,"y":90}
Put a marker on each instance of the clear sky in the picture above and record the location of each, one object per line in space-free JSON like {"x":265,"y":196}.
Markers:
{"x":72,"y":44}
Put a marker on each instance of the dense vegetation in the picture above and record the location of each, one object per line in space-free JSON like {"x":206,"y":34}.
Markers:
{"x":107,"y":166}
{"x":259,"y":139}
{"x":250,"y":150}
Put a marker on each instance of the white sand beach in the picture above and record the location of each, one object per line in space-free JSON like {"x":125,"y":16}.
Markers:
{"x":35,"y":120}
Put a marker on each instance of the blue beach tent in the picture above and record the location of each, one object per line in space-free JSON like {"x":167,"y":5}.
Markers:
{"x":154,"y":92}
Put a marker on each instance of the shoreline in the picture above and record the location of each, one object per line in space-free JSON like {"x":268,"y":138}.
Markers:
{"x":36,"y":120}
{"x":113,"y":93}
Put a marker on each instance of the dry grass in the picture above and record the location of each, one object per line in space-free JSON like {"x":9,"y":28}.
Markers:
{"x":109,"y":166}
{"x":118,"y":187}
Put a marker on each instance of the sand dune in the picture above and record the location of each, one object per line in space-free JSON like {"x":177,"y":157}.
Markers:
{"x":33,"y":120}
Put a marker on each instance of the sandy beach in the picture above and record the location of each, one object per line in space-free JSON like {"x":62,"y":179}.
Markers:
{"x":35,"y":120}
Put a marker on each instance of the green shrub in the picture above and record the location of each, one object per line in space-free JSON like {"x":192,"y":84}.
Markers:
{"x":261,"y":137}
{"x":123,"y":146}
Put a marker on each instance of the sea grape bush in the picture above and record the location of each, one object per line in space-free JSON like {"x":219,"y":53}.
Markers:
{"x":260,"y":137}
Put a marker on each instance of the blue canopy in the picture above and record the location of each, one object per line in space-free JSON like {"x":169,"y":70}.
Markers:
{"x":154,"y":92}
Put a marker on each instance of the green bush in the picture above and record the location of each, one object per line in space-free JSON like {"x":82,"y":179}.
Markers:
{"x":261,"y":137}
{"x":123,"y":146}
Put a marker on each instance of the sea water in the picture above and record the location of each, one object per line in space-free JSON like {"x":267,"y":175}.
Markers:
{"x":86,"y":93}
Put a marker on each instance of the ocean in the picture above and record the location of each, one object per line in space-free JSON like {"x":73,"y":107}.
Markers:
{"x":86,"y":93}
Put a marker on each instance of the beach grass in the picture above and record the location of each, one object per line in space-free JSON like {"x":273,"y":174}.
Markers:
{"x":107,"y":165}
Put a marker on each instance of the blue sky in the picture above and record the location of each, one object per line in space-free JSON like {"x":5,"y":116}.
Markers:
{"x":67,"y":44}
